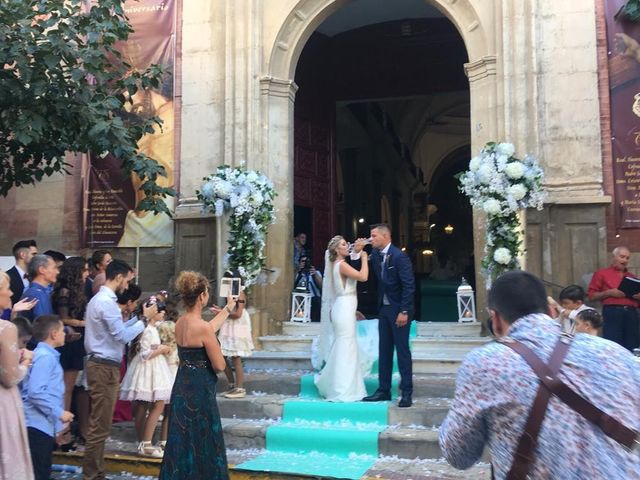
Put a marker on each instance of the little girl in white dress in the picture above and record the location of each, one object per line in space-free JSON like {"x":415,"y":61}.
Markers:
{"x":167,"y":331}
{"x":148,"y":383}
{"x":236,"y":343}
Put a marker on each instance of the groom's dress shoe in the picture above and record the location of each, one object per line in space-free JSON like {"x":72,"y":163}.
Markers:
{"x":405,"y":401}
{"x":378,"y":396}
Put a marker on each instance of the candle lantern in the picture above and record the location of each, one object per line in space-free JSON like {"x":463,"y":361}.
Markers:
{"x":300,"y":306}
{"x":466,"y":303}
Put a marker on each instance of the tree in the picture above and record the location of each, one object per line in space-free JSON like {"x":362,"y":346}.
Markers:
{"x":64,"y":87}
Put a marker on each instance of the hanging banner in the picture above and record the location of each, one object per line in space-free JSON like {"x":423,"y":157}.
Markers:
{"x":110,"y":197}
{"x":623,"y":40}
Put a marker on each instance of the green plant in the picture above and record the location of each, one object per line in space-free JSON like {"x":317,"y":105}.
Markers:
{"x":630,"y":10}
{"x":64,"y":87}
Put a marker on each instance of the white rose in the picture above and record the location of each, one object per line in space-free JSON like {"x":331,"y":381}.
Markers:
{"x":502,"y":255}
{"x":506,"y":149}
{"x":518,"y":191}
{"x":486,"y":173}
{"x":514,"y":170}
{"x":474,"y":164}
{"x":252,"y":176}
{"x":491,"y":206}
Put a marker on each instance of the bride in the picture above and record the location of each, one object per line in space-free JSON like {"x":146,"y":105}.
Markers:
{"x":341,"y":378}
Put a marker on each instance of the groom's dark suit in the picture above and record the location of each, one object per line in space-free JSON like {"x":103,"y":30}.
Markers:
{"x":395,"y":294}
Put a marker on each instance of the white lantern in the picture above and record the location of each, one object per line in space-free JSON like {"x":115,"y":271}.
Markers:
{"x":466,"y":303}
{"x":301,"y":306}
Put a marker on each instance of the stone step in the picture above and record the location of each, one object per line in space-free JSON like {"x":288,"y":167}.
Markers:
{"x":449,"y":329}
{"x":286,"y":343}
{"x":298,"y":328}
{"x":446,"y":345}
{"x":425,"y":411}
{"x":425,"y":329}
{"x":441,"y":363}
{"x":403,"y":441}
{"x":430,"y":344}
{"x":263,"y":359}
{"x":287,"y":382}
{"x":122,"y":462}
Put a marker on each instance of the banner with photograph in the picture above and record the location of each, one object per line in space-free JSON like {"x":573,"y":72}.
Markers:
{"x":110,"y":197}
{"x":623,"y":42}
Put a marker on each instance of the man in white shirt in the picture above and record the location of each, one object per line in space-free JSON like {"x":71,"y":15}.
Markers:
{"x":104,"y":340}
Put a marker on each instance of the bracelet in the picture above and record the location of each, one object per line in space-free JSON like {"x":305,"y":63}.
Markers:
{"x":226,"y":307}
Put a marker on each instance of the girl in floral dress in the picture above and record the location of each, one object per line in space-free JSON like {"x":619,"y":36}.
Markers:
{"x":148,"y":383}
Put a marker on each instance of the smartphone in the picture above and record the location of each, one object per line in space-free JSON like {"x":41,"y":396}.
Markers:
{"x":230,"y":286}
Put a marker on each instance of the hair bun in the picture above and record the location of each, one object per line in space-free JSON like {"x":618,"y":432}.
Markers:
{"x":190,"y":285}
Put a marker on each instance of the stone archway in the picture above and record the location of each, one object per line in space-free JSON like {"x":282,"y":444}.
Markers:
{"x":278,"y":91}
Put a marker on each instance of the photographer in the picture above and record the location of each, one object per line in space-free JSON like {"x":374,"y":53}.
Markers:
{"x":530,"y":422}
{"x":311,"y":279}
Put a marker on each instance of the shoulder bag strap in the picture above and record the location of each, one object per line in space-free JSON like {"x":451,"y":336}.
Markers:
{"x":611,"y":427}
{"x":523,"y":457}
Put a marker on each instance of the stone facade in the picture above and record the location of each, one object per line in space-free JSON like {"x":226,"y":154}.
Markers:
{"x":533,"y":80}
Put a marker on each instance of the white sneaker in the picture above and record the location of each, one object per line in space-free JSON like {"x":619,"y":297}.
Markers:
{"x":146,"y":449}
{"x":235,"y":393}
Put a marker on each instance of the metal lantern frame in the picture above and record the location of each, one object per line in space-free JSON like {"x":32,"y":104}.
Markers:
{"x":301,"y":307}
{"x":466,"y":303}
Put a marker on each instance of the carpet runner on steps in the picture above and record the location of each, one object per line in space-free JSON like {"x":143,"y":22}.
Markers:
{"x":338,"y":440}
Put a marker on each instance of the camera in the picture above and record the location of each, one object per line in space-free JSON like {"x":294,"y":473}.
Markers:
{"x":230,"y":286}
{"x":306,"y":264}
{"x":153,"y":300}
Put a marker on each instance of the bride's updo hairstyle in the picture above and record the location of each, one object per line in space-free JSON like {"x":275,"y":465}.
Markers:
{"x":333,"y":247}
{"x":190,"y":285}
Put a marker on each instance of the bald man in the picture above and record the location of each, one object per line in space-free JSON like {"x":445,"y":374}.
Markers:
{"x":620,"y":312}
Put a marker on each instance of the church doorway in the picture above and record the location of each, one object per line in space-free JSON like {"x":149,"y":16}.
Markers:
{"x":381,"y":128}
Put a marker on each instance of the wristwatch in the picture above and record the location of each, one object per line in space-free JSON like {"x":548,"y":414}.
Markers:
{"x":404,"y":312}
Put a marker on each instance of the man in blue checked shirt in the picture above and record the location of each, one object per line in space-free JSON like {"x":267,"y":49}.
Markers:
{"x":43,"y":395}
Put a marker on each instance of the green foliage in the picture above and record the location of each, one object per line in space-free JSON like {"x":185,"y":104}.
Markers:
{"x":630,"y":10}
{"x":63,"y":87}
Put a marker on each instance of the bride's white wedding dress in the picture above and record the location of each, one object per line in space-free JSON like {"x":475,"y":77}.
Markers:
{"x":341,"y":378}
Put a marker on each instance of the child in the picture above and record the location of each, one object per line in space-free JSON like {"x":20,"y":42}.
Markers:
{"x":25,"y":331}
{"x":236,"y":342}
{"x":148,"y":382}
{"x":167,"y":331}
{"x":43,"y":394}
{"x":572,"y":303}
{"x":588,"y":321}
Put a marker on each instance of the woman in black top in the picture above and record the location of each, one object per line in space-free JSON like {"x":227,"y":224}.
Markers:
{"x":69,"y":302}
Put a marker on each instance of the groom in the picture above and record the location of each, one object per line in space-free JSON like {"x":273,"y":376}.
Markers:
{"x":395,"y":303}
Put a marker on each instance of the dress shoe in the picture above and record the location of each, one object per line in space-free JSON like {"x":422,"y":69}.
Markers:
{"x":405,"y":401}
{"x":378,"y":396}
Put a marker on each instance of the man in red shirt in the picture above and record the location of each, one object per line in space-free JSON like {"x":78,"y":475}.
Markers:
{"x":620,"y":313}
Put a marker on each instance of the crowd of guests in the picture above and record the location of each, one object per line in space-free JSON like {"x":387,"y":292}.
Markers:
{"x":78,"y":348}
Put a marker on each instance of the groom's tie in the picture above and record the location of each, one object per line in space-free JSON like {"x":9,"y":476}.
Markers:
{"x":384,"y":259}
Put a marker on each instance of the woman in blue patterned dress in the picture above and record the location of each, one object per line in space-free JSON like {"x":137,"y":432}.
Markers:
{"x":195,"y":446}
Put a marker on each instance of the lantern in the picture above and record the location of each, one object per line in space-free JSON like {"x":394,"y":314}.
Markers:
{"x":301,"y":306}
{"x":466,"y":303}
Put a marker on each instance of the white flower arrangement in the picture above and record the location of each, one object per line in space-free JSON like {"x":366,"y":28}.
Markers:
{"x":249,"y":195}
{"x":501,"y":185}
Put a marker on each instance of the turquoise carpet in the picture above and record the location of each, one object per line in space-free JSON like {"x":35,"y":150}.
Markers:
{"x":338,"y":440}
{"x":328,"y":439}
